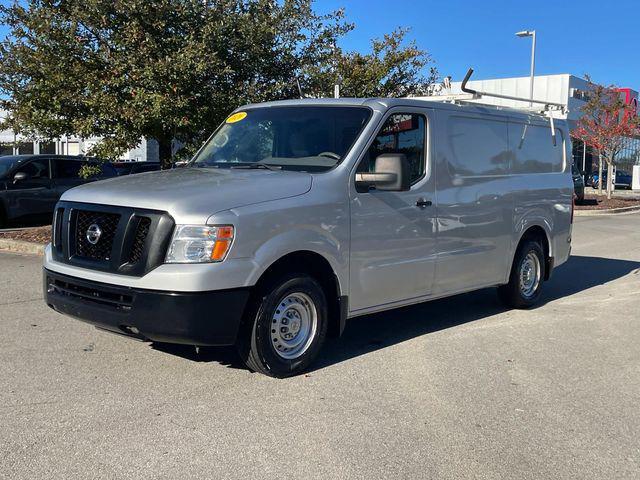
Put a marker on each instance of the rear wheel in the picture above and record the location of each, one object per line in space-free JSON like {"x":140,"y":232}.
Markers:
{"x":3,"y":217}
{"x":527,"y":275}
{"x":285,"y":326}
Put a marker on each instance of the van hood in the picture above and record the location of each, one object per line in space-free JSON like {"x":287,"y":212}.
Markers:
{"x":191,"y":195}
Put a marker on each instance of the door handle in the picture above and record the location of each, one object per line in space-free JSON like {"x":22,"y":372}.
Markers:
{"x":423,"y":203}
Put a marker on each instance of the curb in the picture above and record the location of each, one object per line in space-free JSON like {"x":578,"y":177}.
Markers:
{"x":611,"y":211}
{"x":21,"y":246}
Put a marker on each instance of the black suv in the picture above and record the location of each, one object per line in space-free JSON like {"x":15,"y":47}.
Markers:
{"x":129,"y":168}
{"x":31,"y":185}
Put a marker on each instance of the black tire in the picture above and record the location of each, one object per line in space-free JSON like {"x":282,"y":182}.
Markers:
{"x":512,"y":294}
{"x":3,"y":217}
{"x":259,"y":342}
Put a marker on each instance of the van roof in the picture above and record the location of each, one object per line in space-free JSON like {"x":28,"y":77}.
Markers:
{"x":381,"y":104}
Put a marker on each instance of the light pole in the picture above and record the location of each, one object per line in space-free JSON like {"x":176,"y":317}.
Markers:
{"x":532,"y":34}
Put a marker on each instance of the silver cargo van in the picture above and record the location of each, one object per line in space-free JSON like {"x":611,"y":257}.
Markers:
{"x":297,"y":215}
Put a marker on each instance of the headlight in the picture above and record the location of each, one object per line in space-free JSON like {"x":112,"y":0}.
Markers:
{"x":199,"y":244}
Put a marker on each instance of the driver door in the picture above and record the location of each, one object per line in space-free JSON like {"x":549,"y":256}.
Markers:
{"x":32,"y":197}
{"x":393,"y":234}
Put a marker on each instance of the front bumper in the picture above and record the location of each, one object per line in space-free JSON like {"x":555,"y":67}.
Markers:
{"x":193,"y":318}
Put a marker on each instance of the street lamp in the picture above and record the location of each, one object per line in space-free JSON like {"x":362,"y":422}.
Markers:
{"x":532,"y":34}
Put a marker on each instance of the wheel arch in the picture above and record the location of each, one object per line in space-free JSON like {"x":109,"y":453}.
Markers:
{"x":540,"y":232}
{"x":320,"y":268}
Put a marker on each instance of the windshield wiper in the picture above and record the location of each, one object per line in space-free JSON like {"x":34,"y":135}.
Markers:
{"x":254,"y":166}
{"x":201,"y":165}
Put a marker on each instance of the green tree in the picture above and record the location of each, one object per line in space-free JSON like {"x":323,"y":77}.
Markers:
{"x":173,"y":69}
{"x":393,"y":68}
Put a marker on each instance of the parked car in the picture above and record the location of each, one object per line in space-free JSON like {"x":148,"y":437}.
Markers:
{"x":30,"y":185}
{"x":578,"y":183}
{"x":129,"y":168}
{"x":623,"y":179}
{"x":297,"y":215}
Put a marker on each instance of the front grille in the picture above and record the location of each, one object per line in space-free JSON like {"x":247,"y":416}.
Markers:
{"x":106,"y":223}
{"x":137,"y":248}
{"x":118,"y":301}
{"x":56,"y":229}
{"x":111,"y":238}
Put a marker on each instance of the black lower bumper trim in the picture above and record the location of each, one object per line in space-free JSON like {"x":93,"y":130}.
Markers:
{"x":193,"y":318}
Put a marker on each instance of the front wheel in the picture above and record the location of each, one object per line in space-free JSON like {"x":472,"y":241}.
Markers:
{"x":525,"y":280}
{"x":285,"y":326}
{"x":3,"y":217}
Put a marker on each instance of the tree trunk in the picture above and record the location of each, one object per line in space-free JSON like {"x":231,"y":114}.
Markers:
{"x":609,"y":179}
{"x":164,"y":152}
{"x":599,"y":173}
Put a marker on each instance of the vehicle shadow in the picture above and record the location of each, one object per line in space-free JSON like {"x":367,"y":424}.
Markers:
{"x":369,"y":333}
{"x":373,"y":332}
{"x":226,"y":356}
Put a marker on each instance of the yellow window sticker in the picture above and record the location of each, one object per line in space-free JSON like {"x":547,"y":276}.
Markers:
{"x":236,"y":117}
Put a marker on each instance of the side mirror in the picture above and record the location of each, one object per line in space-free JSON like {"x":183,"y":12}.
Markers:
{"x":19,"y":177}
{"x":391,"y":174}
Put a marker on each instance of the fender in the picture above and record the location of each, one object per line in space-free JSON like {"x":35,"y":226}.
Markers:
{"x":271,"y":230}
{"x":525,"y":224}
{"x":302,"y":239}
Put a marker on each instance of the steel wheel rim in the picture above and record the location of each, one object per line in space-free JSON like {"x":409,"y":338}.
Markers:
{"x":529,"y":275}
{"x":293,"y":325}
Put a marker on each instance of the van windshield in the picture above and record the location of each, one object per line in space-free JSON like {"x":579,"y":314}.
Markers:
{"x":303,"y":138}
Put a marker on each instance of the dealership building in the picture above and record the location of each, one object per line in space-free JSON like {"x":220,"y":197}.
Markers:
{"x":565,"y":89}
{"x":16,"y":144}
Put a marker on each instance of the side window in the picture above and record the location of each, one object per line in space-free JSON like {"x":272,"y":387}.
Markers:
{"x":533,"y":149}
{"x":36,"y":168}
{"x":479,"y":146}
{"x":66,"y":169}
{"x":401,"y":133}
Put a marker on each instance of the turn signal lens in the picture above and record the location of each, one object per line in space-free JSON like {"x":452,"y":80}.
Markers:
{"x":224,"y":236}
{"x":200,"y":243}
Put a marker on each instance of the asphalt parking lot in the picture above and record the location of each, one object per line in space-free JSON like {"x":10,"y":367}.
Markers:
{"x":457,"y":388}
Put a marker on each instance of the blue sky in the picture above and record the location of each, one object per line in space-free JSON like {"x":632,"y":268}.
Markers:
{"x":600,"y":38}
{"x":574,"y":36}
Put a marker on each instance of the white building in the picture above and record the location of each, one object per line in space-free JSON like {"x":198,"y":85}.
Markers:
{"x":16,"y":144}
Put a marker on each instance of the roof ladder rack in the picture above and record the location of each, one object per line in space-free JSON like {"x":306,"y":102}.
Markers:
{"x":479,"y":94}
{"x":471,"y":95}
